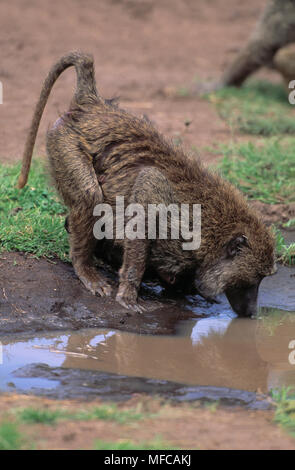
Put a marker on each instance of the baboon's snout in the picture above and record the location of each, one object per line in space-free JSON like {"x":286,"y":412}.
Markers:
{"x":243,"y":300}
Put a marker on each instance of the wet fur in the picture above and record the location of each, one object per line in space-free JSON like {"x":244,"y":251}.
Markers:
{"x":98,"y":151}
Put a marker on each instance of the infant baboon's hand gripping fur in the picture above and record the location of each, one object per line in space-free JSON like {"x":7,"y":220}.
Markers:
{"x":97,"y":152}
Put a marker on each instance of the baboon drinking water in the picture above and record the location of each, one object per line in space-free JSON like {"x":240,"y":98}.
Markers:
{"x":98,"y":151}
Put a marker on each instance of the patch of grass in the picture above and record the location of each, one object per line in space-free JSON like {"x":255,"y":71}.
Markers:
{"x":257,"y":108}
{"x":109,"y":412}
{"x":285,"y":408}
{"x":10,"y":437}
{"x":264,"y":172}
{"x":270,"y":319}
{"x":285,"y":253}
{"x":32,"y":219}
{"x":211,"y":406}
{"x":156,"y":444}
{"x":40,"y":416}
{"x":183,"y":92}
{"x":289,"y":224}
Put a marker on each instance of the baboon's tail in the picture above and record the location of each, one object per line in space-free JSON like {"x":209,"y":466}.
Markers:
{"x":85,"y":93}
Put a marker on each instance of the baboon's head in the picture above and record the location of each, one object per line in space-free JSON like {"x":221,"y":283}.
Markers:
{"x":244,"y":260}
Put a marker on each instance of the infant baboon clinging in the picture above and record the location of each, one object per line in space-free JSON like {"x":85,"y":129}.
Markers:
{"x":98,"y":151}
{"x":274,"y":30}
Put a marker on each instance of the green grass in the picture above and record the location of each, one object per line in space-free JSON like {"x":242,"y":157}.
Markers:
{"x":156,"y":444}
{"x":285,"y":253}
{"x":10,"y":437}
{"x":285,"y":408}
{"x":39,"y":416}
{"x":109,"y":412}
{"x":264,"y":172}
{"x":270,"y":319}
{"x":257,"y":108}
{"x":32,"y":219}
{"x":289,"y":224}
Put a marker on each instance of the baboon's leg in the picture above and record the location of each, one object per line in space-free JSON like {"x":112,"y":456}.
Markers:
{"x":151,"y":186}
{"x":82,"y":244}
{"x":76,"y":181}
{"x":255,"y":55}
{"x":274,"y":29}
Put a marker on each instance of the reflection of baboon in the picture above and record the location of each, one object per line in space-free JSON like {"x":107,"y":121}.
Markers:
{"x":96,"y":140}
{"x":226,"y":358}
{"x":274,"y":30}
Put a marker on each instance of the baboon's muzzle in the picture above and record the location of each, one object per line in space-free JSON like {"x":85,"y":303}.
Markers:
{"x":243,"y":300}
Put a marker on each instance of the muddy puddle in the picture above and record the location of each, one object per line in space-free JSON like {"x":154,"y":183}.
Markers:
{"x":198,"y":352}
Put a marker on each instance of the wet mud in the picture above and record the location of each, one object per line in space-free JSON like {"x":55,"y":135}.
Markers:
{"x":37,"y":295}
{"x":60,"y":341}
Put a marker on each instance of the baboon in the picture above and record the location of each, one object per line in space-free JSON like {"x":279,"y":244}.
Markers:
{"x":274,"y":30}
{"x":97,"y":151}
{"x":284,"y":62}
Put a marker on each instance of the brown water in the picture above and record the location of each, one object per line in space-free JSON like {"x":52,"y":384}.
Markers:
{"x":214,"y":349}
{"x":253,"y":355}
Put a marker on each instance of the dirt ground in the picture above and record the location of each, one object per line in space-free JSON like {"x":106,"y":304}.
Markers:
{"x":181,"y":426}
{"x":141,"y":49}
{"x":41,"y":295}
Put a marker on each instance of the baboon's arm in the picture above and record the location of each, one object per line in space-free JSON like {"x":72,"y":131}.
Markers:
{"x":150,"y":187}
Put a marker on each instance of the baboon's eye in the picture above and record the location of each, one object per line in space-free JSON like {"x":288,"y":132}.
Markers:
{"x":235,"y":245}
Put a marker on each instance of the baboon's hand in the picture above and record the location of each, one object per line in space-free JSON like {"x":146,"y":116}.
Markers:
{"x":127,"y":297}
{"x":93,"y":281}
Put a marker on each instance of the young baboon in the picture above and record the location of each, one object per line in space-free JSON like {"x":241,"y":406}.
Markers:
{"x":274,"y":30}
{"x":98,"y":151}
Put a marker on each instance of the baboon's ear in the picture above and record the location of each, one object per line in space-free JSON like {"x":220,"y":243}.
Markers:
{"x":235,"y":245}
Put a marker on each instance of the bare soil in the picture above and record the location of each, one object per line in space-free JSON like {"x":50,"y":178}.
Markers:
{"x":142,"y":50}
{"x":181,"y":426}
{"x":42,"y":295}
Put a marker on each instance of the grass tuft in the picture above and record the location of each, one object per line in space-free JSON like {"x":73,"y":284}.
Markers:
{"x":285,"y":253}
{"x":39,"y":416}
{"x":156,"y":444}
{"x":257,"y":108}
{"x":109,"y":412}
{"x":10,"y":438}
{"x":284,"y":399}
{"x":263,"y":172}
{"x":32,"y":219}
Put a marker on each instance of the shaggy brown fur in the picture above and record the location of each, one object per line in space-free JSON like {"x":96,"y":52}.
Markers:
{"x":96,"y":140}
{"x":284,"y":62}
{"x":274,"y":30}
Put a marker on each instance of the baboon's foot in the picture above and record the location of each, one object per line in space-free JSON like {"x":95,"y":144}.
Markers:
{"x":92,"y":280}
{"x":127,"y":297}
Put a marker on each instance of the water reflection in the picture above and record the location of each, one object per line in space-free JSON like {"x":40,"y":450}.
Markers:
{"x":236,"y":353}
